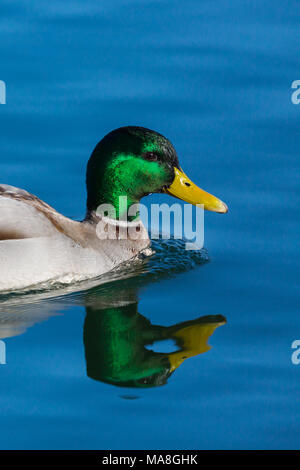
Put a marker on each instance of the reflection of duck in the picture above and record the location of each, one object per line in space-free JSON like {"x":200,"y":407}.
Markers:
{"x":116,"y":336}
{"x":37,"y":244}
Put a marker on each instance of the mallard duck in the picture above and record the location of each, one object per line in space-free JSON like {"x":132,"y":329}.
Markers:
{"x":39,"y":245}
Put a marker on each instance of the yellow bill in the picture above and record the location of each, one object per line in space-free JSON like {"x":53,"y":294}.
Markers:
{"x":183,"y":188}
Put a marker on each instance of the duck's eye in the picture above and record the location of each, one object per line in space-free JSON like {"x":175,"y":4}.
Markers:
{"x":150,"y":156}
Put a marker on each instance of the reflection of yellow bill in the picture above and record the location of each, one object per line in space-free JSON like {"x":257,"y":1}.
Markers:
{"x":183,"y":188}
{"x":194,"y":340}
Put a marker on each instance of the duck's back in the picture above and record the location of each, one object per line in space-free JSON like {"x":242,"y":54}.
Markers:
{"x":32,"y":244}
{"x":38,"y":245}
{"x":23,"y":215}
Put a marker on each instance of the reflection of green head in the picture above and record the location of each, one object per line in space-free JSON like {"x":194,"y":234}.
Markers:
{"x":115,"y":345}
{"x":132,"y":162}
{"x":115,"y":350}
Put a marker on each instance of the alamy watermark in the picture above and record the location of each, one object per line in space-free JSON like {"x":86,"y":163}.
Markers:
{"x":2,"y":352}
{"x":176,"y":221}
{"x":295,"y":358}
{"x":2,"y":92}
{"x":295,"y":97}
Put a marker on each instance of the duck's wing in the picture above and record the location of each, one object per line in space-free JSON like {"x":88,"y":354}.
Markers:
{"x":23,"y":215}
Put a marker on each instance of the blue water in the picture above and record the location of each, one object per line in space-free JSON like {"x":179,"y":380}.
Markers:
{"x":214,"y":77}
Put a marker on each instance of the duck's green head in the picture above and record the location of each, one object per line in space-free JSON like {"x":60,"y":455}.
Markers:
{"x":134,"y":162}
